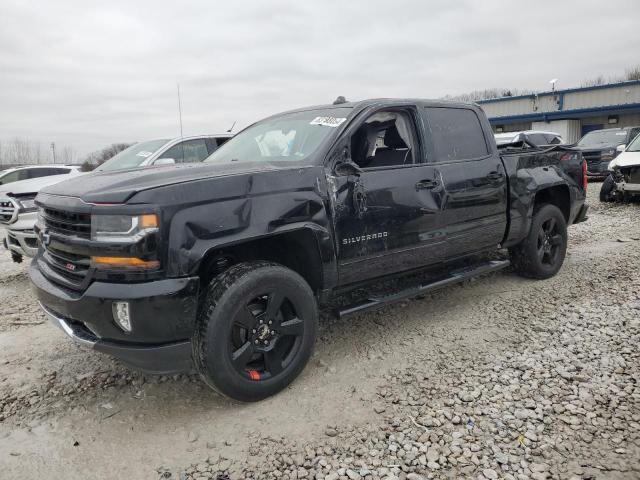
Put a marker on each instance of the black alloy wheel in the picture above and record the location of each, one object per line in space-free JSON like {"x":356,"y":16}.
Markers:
{"x":266,"y":335}
{"x":549,"y":242}
{"x":542,"y":252}
{"x":256,"y":329}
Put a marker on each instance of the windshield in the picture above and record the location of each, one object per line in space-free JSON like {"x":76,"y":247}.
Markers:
{"x":634,"y":146}
{"x":132,"y":157}
{"x":603,"y":137}
{"x":291,"y":137}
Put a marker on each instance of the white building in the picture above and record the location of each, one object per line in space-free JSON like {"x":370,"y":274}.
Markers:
{"x":571,"y":112}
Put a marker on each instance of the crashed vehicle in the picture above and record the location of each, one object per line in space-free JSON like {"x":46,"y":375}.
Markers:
{"x":221,"y":266}
{"x":600,"y":147}
{"x":18,"y":210}
{"x":531,"y":138}
{"x":623,"y":183}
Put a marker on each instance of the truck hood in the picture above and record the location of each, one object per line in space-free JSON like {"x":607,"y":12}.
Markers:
{"x":119,"y":186}
{"x":625,"y":159}
{"x":34,"y":185}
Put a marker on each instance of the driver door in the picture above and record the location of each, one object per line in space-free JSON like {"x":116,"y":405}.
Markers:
{"x":387,"y":218}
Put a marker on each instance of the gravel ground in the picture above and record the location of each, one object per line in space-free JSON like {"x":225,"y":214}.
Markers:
{"x":499,"y":377}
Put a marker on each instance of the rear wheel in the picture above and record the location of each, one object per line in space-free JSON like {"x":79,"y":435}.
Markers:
{"x":608,"y":190}
{"x":542,"y":253}
{"x":256,"y":330}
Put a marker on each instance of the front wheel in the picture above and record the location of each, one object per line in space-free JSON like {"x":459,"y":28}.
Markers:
{"x":256,"y":330}
{"x":542,"y":253}
{"x":608,"y":190}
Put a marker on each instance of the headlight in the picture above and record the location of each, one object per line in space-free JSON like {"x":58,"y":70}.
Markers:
{"x":27,"y":204}
{"x":122,"y":228}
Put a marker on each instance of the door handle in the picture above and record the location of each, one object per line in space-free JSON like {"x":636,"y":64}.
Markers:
{"x":495,"y":175}
{"x":426,"y":184}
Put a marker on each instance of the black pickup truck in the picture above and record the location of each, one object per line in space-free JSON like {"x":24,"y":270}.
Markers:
{"x":221,"y":266}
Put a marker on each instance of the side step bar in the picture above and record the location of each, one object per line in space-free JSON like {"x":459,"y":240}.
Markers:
{"x":453,"y":278}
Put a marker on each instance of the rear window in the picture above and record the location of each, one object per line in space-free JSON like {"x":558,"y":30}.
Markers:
{"x":456,"y":134}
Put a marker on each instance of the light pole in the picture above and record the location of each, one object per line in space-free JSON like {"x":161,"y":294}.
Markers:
{"x":53,"y":150}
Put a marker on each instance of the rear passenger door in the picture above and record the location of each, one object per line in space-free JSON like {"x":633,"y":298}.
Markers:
{"x":473,"y":178}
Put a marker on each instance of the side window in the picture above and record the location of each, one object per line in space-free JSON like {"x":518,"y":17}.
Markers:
{"x":456,"y":134}
{"x":45,"y":172}
{"x":36,"y":172}
{"x":10,"y":177}
{"x":189,"y":151}
{"x":222,"y":140}
{"x":634,"y":133}
{"x":385,"y":139}
{"x":554,"y":140}
{"x":212,"y":145}
{"x":24,"y":174}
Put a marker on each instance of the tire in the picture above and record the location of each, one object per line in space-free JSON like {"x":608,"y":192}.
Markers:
{"x":542,"y":253}
{"x":607,"y":190}
{"x":235,"y":314}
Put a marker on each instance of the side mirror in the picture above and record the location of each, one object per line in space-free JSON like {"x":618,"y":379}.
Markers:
{"x":164,"y":161}
{"x":347,"y":168}
{"x":620,"y":148}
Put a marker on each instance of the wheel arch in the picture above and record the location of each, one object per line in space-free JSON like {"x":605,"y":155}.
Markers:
{"x":297,"y":249}
{"x":558,"y":195}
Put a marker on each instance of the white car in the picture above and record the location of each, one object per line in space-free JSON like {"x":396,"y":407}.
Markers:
{"x":18,"y":211}
{"x":165,"y":152}
{"x":624,"y":180}
{"x":18,"y":174}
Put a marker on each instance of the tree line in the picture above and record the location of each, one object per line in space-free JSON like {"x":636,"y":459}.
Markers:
{"x":21,"y":151}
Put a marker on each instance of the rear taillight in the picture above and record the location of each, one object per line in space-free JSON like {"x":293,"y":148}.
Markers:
{"x":585,"y":179}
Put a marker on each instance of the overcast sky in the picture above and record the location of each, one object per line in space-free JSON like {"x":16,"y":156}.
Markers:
{"x":88,"y":74}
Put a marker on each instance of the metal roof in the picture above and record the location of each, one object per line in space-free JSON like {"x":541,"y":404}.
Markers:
{"x":565,"y":91}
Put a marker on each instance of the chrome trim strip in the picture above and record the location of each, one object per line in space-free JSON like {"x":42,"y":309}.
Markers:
{"x":65,"y":327}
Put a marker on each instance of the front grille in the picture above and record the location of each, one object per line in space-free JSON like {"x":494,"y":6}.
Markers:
{"x":67,"y":223}
{"x":72,"y":267}
{"x":633,"y":175}
{"x":7,"y":210}
{"x":68,"y":269}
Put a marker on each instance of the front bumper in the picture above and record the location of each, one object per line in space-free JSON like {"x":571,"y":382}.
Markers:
{"x":22,"y":242}
{"x":630,"y":188}
{"x":162,"y":315}
{"x":21,"y":238}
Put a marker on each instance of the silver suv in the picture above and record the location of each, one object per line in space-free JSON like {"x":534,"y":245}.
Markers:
{"x":164,"y":152}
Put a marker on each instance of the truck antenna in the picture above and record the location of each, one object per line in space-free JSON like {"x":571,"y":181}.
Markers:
{"x":179,"y":109}
{"x":234,"y":124}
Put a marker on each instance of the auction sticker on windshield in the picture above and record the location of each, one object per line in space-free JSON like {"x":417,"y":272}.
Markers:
{"x":143,"y":154}
{"x":327,"y":121}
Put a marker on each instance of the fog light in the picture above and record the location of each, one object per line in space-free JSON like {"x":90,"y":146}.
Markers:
{"x":122,"y":315}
